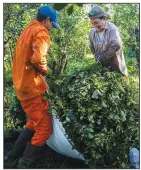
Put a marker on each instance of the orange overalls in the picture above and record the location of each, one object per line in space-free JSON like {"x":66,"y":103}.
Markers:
{"x":30,"y":53}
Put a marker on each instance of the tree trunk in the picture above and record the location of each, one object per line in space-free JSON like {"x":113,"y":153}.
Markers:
{"x":63,"y":63}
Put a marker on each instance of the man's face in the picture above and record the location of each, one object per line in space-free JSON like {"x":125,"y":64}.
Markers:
{"x":98,"y":24}
{"x":48,"y":24}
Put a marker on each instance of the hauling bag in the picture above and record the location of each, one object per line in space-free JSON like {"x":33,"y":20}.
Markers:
{"x":60,"y":142}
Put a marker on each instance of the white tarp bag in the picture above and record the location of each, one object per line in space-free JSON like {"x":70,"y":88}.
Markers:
{"x":60,"y":143}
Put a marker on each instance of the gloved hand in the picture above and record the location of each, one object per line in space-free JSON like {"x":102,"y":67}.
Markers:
{"x":134,"y":157}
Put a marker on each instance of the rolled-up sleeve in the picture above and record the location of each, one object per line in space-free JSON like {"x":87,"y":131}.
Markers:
{"x":40,"y":47}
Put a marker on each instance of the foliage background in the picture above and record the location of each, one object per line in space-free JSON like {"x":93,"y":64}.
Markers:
{"x":69,"y":48}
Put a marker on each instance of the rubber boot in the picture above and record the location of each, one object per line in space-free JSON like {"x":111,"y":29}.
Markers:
{"x":30,"y":156}
{"x":20,"y":144}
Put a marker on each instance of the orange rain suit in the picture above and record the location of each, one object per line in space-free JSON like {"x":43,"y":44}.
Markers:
{"x":30,"y":56}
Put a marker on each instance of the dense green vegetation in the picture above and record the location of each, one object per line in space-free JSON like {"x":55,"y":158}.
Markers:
{"x":102,"y":108}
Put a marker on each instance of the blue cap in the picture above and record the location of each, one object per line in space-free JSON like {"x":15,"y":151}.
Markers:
{"x":51,"y":13}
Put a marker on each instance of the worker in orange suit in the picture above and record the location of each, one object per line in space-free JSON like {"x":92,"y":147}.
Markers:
{"x":29,"y":67}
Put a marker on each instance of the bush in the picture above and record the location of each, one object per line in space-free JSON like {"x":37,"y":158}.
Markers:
{"x":103,"y":110}
{"x":14,"y":116}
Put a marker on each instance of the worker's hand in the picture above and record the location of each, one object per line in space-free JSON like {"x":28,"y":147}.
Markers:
{"x":100,"y":57}
{"x":44,"y":74}
{"x":35,"y":66}
{"x":97,"y":55}
{"x":49,"y":51}
{"x":43,"y":61}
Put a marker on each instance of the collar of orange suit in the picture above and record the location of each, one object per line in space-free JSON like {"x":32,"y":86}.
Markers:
{"x":33,"y":21}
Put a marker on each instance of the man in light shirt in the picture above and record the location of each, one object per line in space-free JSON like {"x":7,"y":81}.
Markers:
{"x":105,"y":41}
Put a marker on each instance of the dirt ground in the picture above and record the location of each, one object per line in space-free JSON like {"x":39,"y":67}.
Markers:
{"x":49,"y":159}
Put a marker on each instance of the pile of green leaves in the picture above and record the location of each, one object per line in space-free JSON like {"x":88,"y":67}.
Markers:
{"x":100,"y":113}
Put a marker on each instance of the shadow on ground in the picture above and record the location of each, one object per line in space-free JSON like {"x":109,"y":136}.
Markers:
{"x":49,"y":160}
